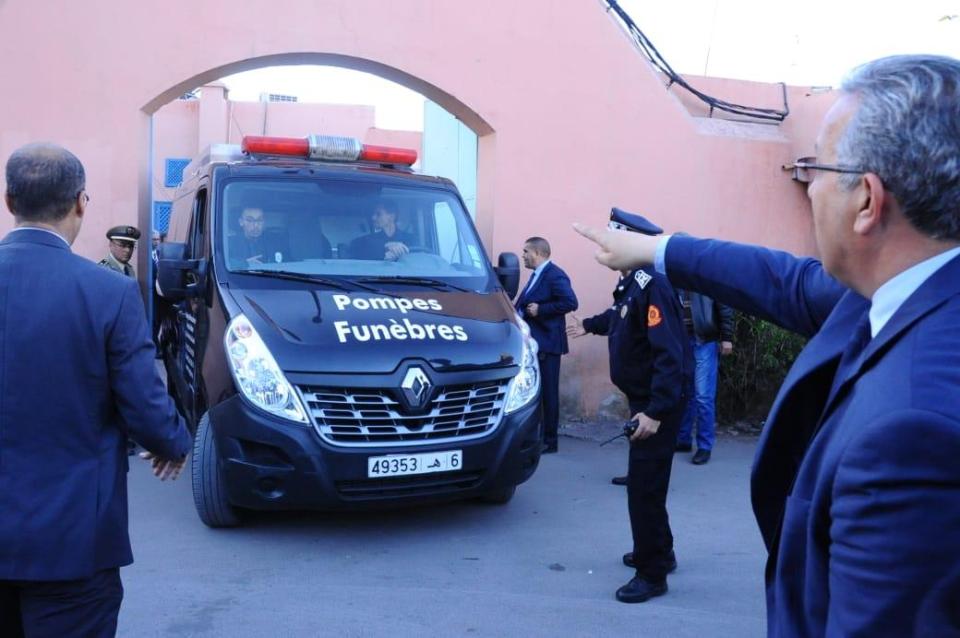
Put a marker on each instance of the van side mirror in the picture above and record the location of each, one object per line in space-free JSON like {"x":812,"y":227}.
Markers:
{"x":508,"y":272}
{"x":179,"y":278}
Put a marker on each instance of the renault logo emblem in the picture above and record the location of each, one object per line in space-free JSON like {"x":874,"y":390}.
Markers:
{"x":416,"y":387}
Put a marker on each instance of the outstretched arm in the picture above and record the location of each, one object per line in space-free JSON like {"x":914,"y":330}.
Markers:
{"x":795,"y":293}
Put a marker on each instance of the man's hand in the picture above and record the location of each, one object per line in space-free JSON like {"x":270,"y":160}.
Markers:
{"x":164,"y":468}
{"x":395,"y":250}
{"x":532,"y":309}
{"x":575,"y":326}
{"x":646,"y":427}
{"x":726,"y":348}
{"x":619,"y":249}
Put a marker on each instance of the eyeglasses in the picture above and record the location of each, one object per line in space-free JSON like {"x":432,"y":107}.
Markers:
{"x":803,"y":169}
{"x":251,"y":220}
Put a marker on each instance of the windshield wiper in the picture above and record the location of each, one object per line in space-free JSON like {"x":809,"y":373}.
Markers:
{"x":413,"y":281}
{"x":298,"y":276}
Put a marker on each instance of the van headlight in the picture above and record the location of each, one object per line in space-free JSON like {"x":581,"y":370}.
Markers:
{"x":257,"y":374}
{"x":525,"y":386}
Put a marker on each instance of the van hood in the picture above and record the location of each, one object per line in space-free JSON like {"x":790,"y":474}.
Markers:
{"x":332,"y":331}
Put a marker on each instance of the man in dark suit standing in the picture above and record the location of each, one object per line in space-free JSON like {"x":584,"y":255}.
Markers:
{"x":855,"y":485}
{"x":76,"y":378}
{"x":545,"y":300}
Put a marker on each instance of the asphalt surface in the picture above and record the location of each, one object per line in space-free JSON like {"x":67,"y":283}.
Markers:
{"x":546,"y":564}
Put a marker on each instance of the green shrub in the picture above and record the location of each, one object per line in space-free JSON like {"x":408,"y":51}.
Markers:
{"x":750,"y":377}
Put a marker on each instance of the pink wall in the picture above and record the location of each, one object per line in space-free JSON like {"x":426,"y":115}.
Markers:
{"x":571,"y":119}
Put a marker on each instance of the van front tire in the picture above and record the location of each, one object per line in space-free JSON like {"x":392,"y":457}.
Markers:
{"x":209,"y":492}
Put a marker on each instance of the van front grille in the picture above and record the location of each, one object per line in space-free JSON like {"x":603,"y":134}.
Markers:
{"x":372,"y":416}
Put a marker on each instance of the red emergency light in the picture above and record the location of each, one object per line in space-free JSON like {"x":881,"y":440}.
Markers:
{"x":327,"y":147}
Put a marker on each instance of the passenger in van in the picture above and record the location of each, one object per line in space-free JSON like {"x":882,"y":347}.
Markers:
{"x":252,"y":247}
{"x":387,"y":241}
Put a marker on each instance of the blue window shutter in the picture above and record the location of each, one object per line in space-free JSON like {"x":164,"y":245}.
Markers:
{"x":161,"y":216}
{"x":173,"y":171}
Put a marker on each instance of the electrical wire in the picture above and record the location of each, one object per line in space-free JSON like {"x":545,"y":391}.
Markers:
{"x":651,"y":53}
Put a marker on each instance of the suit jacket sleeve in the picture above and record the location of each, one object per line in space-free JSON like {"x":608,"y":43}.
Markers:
{"x":599,"y":324}
{"x":792,"y":292}
{"x":727,"y":326}
{"x":666,"y":335}
{"x":138,"y":391}
{"x":894,"y":519}
{"x":562,"y":298}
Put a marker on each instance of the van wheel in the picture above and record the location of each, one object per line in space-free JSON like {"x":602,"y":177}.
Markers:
{"x":209,"y":492}
{"x":499,"y":497}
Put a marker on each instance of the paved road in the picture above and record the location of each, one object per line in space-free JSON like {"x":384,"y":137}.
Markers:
{"x":546,"y":564}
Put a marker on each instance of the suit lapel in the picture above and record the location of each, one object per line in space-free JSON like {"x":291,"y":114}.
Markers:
{"x":933,"y":293}
{"x":794,"y":414}
{"x":543,"y":275}
{"x":529,"y":289}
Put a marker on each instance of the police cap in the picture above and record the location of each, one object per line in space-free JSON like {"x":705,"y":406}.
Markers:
{"x":124,"y":233}
{"x":622,"y":220}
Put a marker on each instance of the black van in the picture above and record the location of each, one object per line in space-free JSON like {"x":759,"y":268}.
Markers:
{"x":332,"y":328}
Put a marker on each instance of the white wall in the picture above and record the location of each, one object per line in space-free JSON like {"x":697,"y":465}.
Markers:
{"x":450,"y":150}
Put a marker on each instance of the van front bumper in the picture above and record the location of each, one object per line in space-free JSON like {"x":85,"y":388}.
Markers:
{"x":271,"y":464}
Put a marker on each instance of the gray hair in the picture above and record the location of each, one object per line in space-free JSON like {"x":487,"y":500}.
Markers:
{"x":907,"y":131}
{"x":43,"y":182}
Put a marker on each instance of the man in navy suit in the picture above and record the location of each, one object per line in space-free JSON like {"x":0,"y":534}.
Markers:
{"x":544,"y":302}
{"x":856,"y":482}
{"x":76,"y":379}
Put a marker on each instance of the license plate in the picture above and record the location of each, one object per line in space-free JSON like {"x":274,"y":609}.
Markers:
{"x":406,"y":464}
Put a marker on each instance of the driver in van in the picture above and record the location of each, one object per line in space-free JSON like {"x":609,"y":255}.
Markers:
{"x":387,"y":241}
{"x":251,"y":247}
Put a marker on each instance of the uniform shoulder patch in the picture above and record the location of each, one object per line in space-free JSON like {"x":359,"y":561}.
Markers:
{"x":654,"y":316}
{"x":642,"y":278}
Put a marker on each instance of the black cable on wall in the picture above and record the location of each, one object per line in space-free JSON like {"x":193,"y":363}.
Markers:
{"x":651,"y":53}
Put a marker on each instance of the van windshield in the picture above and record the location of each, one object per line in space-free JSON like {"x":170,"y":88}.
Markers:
{"x":351,"y":229}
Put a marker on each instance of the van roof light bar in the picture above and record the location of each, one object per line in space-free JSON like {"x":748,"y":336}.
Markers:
{"x":329,"y":148}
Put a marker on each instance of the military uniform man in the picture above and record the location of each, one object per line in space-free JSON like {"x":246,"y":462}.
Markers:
{"x":123,"y":239}
{"x":651,"y":363}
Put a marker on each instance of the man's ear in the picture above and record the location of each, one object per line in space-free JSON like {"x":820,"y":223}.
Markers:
{"x":871,"y":205}
{"x":81,"y":205}
{"x":9,"y":202}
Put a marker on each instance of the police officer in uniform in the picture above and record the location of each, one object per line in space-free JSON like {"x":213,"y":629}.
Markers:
{"x":651,"y":363}
{"x":123,"y":239}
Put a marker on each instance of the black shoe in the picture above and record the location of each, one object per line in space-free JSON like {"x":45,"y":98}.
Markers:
{"x":619,"y":480}
{"x":549,"y":449}
{"x":701,"y":457}
{"x":684,"y":447}
{"x":639,"y":590}
{"x":672,"y":567}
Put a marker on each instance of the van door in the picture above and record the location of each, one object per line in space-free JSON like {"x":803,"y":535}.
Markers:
{"x":193,"y":317}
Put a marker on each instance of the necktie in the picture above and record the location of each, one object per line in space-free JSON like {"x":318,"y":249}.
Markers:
{"x":851,"y":354}
{"x":529,"y":285}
